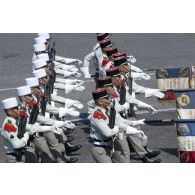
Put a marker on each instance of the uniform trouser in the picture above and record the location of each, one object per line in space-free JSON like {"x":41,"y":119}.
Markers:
{"x":56,"y":147}
{"x":43,"y":150}
{"x":29,"y":156}
{"x":137,"y":143}
{"x":121,"y":153}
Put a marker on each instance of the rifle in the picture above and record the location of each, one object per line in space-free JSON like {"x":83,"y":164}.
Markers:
{"x":112,"y":116}
{"x":34,"y":115}
{"x":22,"y":125}
{"x":122,"y":95}
{"x":43,"y":103}
{"x":167,"y":122}
{"x":52,"y":51}
{"x":131,"y":111}
{"x":48,"y":91}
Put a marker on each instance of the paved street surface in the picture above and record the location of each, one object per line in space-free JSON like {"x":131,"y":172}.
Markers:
{"x":150,"y":50}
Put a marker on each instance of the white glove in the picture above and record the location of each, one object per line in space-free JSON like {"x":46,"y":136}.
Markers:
{"x":69,"y":61}
{"x":142,"y":135}
{"x":25,"y":137}
{"x":75,"y":103}
{"x":78,"y":105}
{"x":138,"y":122}
{"x":116,"y":129}
{"x":62,"y":112}
{"x":136,"y":69}
{"x":139,"y":76}
{"x":131,"y":59}
{"x":57,"y":130}
{"x":131,"y":131}
{"x":69,"y":125}
{"x":85,"y":71}
{"x":72,"y":112}
{"x":68,"y":73}
{"x":80,"y":88}
{"x":70,"y":68}
{"x":33,"y":128}
{"x":153,"y":92}
{"x":77,"y":74}
{"x":69,"y":88}
{"x":59,"y":124}
{"x":74,"y":81}
{"x":147,"y":106}
{"x":126,"y":106}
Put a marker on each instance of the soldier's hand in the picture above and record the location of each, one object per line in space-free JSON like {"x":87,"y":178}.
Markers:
{"x":139,"y":122}
{"x":153,"y":92}
{"x":69,"y":125}
{"x":142,"y":135}
{"x":116,"y":129}
{"x":57,"y":130}
{"x":139,"y":76}
{"x":152,"y":110}
{"x":131,"y":59}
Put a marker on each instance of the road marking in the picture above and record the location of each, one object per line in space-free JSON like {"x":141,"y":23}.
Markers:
{"x":7,"y":89}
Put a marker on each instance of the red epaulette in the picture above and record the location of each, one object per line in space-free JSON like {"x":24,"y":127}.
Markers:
{"x":32,"y":104}
{"x":22,"y":112}
{"x":99,"y":115}
{"x":9,"y":127}
{"x":105,"y":62}
{"x":115,"y":95}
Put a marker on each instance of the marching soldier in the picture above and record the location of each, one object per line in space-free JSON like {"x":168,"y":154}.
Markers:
{"x":50,"y":137}
{"x":105,"y":149}
{"x":15,"y":132}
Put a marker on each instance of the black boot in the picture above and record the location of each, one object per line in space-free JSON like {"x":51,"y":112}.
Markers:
{"x":71,"y":147}
{"x":147,"y":160}
{"x":68,"y":131}
{"x":70,"y":138}
{"x":67,"y":159}
{"x":151,"y":154}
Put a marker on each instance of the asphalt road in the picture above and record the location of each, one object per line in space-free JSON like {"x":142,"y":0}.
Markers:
{"x":150,"y":50}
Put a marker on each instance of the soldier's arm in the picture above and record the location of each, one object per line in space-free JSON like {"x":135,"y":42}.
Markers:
{"x":15,"y":141}
{"x":103,"y":127}
{"x":45,"y":121}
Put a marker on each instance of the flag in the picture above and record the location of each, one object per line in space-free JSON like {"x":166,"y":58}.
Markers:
{"x":172,"y":78}
{"x":185,"y":103}
{"x":186,"y":140}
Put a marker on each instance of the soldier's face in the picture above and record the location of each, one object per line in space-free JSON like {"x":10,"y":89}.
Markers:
{"x":116,"y":80}
{"x":29,"y":98}
{"x":43,"y":80}
{"x":14,"y":112}
{"x":105,"y":102}
{"x":124,"y":68}
{"x":109,"y":89}
{"x":36,"y":90}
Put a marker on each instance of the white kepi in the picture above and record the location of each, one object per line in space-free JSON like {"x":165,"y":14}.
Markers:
{"x":32,"y":82}
{"x":10,"y":103}
{"x":39,"y":73}
{"x":24,"y":90}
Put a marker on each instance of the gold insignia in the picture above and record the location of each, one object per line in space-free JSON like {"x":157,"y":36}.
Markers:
{"x":183,"y":100}
{"x":184,"y":72}
{"x":183,"y":130}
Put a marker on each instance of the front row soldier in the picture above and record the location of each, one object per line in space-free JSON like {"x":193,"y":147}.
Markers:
{"x":106,"y":148}
{"x":15,"y":132}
